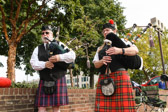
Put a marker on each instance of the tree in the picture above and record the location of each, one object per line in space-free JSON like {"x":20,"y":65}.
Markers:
{"x":18,"y":17}
{"x":87,"y":27}
{"x":103,"y":11}
{"x":88,"y":35}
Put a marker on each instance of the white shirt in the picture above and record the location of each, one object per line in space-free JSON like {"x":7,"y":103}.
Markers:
{"x":96,"y":57}
{"x":68,"y":57}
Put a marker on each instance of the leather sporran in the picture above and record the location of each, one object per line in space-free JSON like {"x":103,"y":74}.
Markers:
{"x":49,"y":87}
{"x":107,"y":87}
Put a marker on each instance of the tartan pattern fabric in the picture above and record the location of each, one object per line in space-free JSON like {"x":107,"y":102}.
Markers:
{"x":59,"y":98}
{"x":122,"y":100}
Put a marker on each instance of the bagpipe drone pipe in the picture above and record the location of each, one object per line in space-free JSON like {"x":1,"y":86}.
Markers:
{"x":143,"y":31}
{"x":55,"y":47}
{"x":129,"y":34}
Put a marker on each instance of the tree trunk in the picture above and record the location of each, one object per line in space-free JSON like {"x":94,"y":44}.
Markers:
{"x":11,"y":62}
{"x":71,"y":77}
{"x":146,"y":75}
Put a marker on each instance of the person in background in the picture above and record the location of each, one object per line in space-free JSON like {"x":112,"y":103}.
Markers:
{"x":162,"y":85}
{"x":122,"y":100}
{"x":46,"y":65}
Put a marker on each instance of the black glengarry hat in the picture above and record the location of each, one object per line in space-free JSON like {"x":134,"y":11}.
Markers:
{"x":46,"y":27}
{"x":110,"y":25}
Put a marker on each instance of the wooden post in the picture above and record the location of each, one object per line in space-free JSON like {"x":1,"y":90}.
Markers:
{"x":71,"y":77}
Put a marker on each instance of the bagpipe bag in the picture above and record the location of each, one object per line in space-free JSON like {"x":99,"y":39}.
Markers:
{"x":56,"y":48}
{"x":131,"y":62}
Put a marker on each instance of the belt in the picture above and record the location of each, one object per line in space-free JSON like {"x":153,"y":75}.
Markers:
{"x":121,"y":69}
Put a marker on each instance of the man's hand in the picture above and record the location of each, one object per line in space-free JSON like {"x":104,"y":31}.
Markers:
{"x":103,"y":61}
{"x":54,"y":58}
{"x":114,"y":51}
{"x":49,"y":65}
{"x":106,"y":59}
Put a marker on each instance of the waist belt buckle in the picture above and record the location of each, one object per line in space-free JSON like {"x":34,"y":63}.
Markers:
{"x":121,"y":69}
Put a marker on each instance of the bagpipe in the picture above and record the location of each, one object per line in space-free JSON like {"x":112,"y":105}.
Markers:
{"x":56,"y":47}
{"x":131,"y":62}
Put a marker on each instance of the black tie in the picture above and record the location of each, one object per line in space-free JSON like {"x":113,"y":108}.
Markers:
{"x":47,"y":48}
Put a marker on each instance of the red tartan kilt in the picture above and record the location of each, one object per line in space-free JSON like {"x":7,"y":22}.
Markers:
{"x":122,"y":100}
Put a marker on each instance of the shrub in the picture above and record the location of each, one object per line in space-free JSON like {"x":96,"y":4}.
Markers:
{"x":24,"y":84}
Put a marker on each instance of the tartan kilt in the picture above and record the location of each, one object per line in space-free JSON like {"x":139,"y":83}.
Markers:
{"x":59,"y":98}
{"x":122,"y":100}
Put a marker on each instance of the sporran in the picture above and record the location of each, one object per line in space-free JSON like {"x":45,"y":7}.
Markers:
{"x":107,"y":87}
{"x":49,"y":87}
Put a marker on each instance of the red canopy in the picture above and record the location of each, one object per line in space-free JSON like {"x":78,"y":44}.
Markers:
{"x":5,"y":82}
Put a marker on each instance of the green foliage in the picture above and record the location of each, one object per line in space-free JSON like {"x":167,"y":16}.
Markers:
{"x":2,"y":2}
{"x":3,"y":45}
{"x":103,"y":10}
{"x":25,"y":49}
{"x":24,"y":85}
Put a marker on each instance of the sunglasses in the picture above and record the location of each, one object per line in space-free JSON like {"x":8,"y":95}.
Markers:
{"x":45,"y":33}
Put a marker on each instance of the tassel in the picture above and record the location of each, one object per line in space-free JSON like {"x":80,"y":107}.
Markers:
{"x":88,"y":63}
{"x":151,"y":41}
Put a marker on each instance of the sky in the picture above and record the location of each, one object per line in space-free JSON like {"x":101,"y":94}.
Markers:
{"x":20,"y":74}
{"x":140,"y":12}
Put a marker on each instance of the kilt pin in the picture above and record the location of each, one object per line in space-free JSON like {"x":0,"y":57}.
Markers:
{"x":59,"y":98}
{"x":122,"y":100}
